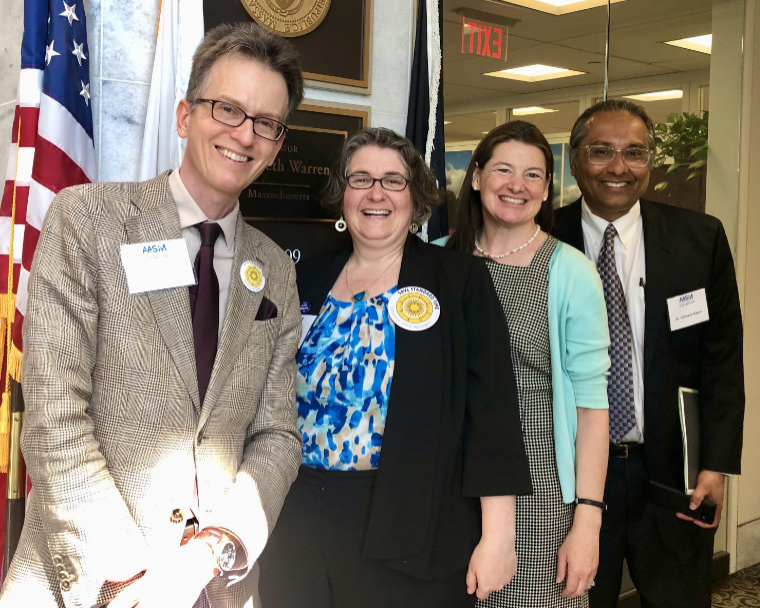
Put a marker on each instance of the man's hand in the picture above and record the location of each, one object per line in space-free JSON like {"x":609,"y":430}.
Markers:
{"x":710,"y":484}
{"x":492,"y":565}
{"x":578,"y":557}
{"x":177,"y":581}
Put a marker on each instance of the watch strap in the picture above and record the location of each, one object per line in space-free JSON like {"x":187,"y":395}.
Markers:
{"x":593,"y":503}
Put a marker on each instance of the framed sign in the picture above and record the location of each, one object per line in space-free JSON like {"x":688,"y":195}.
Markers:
{"x":332,"y":36}
{"x":284,"y":203}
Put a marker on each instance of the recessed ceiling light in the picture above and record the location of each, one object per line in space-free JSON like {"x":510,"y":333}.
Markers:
{"x":702,"y":44}
{"x":657,"y":95}
{"x":531,"y":110}
{"x":534,"y":73}
{"x":559,"y":7}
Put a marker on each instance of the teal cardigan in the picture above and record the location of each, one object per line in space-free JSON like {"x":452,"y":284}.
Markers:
{"x":579,"y":339}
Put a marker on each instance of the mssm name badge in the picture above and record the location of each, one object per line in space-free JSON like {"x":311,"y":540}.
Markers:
{"x":414,"y":308}
{"x":288,"y":18}
{"x":252,"y":276}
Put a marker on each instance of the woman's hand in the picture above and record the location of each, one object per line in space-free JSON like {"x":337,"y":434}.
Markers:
{"x":492,"y":565}
{"x":494,"y":561}
{"x":578,"y":557}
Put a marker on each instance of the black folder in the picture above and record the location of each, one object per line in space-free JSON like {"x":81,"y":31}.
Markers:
{"x":675,"y":499}
{"x":688,"y":410}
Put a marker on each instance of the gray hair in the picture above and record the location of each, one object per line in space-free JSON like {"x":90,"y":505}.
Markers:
{"x":422,"y":187}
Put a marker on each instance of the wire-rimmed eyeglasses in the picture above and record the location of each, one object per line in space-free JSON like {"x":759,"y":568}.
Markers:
{"x":362,"y":181}
{"x":599,"y":154}
{"x":232,"y":116}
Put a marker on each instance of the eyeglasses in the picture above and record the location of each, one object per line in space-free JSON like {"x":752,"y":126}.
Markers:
{"x":362,"y":181}
{"x":232,"y":116}
{"x":604,"y":155}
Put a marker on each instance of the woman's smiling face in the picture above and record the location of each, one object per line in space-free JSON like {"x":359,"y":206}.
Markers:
{"x":377,"y":217}
{"x":512,"y":184}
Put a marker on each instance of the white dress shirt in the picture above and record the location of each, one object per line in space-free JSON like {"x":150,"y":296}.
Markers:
{"x":190,"y":214}
{"x":631,"y":268}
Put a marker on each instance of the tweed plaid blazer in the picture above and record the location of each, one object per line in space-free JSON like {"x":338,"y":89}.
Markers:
{"x":115,"y":437}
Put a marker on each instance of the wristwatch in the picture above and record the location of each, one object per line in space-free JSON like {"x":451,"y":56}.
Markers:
{"x":222,"y":547}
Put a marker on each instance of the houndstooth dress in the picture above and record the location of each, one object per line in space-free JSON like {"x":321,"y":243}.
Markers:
{"x":543,"y":520}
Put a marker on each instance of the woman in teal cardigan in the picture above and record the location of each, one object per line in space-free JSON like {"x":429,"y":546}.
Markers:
{"x":554,"y":304}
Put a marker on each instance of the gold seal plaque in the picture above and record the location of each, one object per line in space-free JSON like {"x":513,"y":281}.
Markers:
{"x":288,"y":17}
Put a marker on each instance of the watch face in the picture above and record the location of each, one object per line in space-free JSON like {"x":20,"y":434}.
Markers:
{"x":227,"y":557}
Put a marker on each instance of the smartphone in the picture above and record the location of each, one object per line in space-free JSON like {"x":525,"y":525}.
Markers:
{"x":678,"y":501}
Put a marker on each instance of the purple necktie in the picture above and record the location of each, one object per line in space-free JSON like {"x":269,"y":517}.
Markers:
{"x":204,"y":306}
{"x":620,"y":382}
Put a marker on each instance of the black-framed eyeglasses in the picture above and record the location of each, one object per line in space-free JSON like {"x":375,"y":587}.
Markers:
{"x":232,"y":116}
{"x":599,"y":154}
{"x":363,"y":181}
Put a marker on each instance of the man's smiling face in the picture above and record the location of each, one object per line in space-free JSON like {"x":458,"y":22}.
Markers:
{"x":611,"y":190}
{"x":220,"y":161}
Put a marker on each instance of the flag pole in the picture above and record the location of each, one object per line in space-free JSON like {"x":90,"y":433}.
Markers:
{"x":15,"y":499}
{"x":12,"y":408}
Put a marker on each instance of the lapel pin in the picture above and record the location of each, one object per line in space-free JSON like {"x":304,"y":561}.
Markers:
{"x":252,"y":276}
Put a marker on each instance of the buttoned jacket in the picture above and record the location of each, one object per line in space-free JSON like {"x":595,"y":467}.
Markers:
{"x":115,"y":437}
{"x":685,"y":251}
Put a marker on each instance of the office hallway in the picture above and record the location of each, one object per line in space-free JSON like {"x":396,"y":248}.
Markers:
{"x":740,"y":590}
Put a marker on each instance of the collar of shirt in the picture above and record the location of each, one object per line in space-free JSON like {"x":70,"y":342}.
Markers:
{"x":191,"y":214}
{"x":625,"y":225}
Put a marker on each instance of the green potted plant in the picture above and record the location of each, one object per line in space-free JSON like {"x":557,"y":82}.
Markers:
{"x":681,"y":147}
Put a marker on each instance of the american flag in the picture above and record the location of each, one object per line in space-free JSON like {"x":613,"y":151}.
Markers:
{"x":51,"y":142}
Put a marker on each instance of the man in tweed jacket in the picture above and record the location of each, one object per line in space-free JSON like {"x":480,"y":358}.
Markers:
{"x":123,"y":450}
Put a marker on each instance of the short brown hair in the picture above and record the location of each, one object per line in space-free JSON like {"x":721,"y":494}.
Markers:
{"x":252,"y":42}
{"x":422,"y":186}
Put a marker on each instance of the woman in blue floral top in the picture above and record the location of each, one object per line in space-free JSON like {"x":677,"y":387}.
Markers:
{"x":407,"y":408}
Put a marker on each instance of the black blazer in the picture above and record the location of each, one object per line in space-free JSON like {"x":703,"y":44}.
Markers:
{"x":685,"y":251}
{"x":452,"y":432}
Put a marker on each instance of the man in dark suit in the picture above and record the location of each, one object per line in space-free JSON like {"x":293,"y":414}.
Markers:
{"x":160,"y":426}
{"x":664,"y":257}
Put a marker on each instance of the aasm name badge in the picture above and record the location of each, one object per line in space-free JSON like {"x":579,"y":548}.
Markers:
{"x":688,"y":309}
{"x":157,"y":265}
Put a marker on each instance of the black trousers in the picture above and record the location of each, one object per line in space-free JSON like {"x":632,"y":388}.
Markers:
{"x":314,"y":557}
{"x":669,"y":559}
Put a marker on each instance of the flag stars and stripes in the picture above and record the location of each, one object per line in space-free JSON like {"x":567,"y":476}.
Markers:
{"x":69,"y":13}
{"x":78,"y":52}
{"x":85,"y":92}
{"x":55,"y":148}
{"x":50,"y":52}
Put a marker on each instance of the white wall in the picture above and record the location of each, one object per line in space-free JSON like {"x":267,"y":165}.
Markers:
{"x":748,"y":262}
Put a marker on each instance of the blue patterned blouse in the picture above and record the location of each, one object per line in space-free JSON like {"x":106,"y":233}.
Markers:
{"x":345,"y":368}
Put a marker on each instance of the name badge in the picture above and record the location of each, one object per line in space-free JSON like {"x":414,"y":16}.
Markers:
{"x":306,"y":322}
{"x":688,"y":309}
{"x":157,"y":265}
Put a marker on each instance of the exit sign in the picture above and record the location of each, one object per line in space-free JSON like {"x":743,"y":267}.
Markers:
{"x":484,"y":39}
